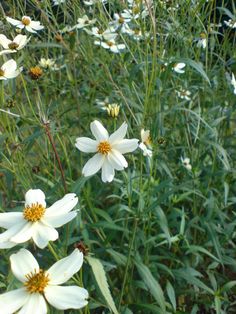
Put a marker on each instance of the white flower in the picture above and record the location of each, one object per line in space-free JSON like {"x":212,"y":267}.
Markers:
{"x":40,"y":286}
{"x":233,"y":82}
{"x":84,"y":22}
{"x":46,"y":63}
{"x":231,"y":23}
{"x":145,"y":145}
{"x":9,"y":70}
{"x":92,"y":2}
{"x":110,"y":45}
{"x":58,"y":2}
{"x":178,"y":67}
{"x":120,"y":23}
{"x":108,"y":149}
{"x":14,"y":45}
{"x":27,"y":23}
{"x":186,"y":163}
{"x":108,"y":34}
{"x":202,"y":41}
{"x":184,"y":94}
{"x":36,"y":221}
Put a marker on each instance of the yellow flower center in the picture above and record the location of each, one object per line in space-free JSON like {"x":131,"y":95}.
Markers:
{"x":136,"y":10}
{"x":13,"y":45}
{"x":36,"y":282}
{"x":121,"y":20}
{"x":104,"y":147}
{"x":110,"y":43}
{"x":35,"y":72}
{"x":1,"y":72}
{"x":26,"y":21}
{"x":34,"y":212}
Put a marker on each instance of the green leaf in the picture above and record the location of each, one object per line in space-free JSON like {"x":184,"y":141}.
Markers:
{"x":152,"y":285}
{"x":171,"y":294}
{"x":101,"y":279}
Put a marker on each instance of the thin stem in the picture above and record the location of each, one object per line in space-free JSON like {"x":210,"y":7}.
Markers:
{"x":47,"y":130}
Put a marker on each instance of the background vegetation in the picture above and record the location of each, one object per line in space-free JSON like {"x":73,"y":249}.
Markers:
{"x":165,"y":235}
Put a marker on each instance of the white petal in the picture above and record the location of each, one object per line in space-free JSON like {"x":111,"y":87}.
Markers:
{"x":13,"y":21}
{"x":23,"y":263}
{"x":9,"y":66}
{"x":24,"y":234}
{"x":7,"y":245}
{"x":4,"y":52}
{"x":21,"y":40}
{"x":119,"y":134}
{"x":58,"y":221}
{"x":86,"y":145}
{"x":126,"y":146}
{"x":63,"y":206}
{"x":11,"y":301}
{"x":34,"y":196}
{"x":36,"y":25}
{"x":93,"y":165}
{"x":43,"y":234}
{"x":16,"y":228}
{"x":117,"y":160}
{"x":98,"y":131}
{"x":8,"y":220}
{"x":64,"y":269}
{"x":34,"y":305}
{"x":29,"y":29}
{"x":63,"y":298}
{"x":108,"y":172}
{"x":4,"y":41}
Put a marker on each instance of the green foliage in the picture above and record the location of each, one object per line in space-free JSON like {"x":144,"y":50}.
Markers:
{"x":165,"y":234}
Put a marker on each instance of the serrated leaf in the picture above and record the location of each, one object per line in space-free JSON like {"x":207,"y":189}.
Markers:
{"x":101,"y":279}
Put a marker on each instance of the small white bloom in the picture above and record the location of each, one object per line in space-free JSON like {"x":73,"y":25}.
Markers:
{"x":184,"y":94}
{"x":58,"y":2}
{"x":137,"y":34}
{"x":109,"y":150}
{"x":84,"y":21}
{"x":40,"y":286}
{"x":108,"y":34}
{"x":145,"y":145}
{"x":11,"y":46}
{"x":120,"y":23}
{"x":46,"y":63}
{"x":202,"y":41}
{"x":186,"y":163}
{"x":27,"y":23}
{"x":233,"y":82}
{"x":36,"y":221}
{"x":9,"y":70}
{"x":178,"y":67}
{"x":110,"y":45}
{"x":231,"y":23}
{"x":92,"y":2}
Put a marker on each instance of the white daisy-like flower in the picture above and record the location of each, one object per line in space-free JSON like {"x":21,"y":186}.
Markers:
{"x":109,"y":150}
{"x":110,"y":45}
{"x":202,"y":41}
{"x":233,"y":82}
{"x":145,"y":145}
{"x":36,"y":221}
{"x":46,"y":63}
{"x":84,"y":21}
{"x":27,"y":23}
{"x":40,"y":286}
{"x":184,"y":94}
{"x":120,"y":23}
{"x":231,"y":23}
{"x":11,"y":46}
{"x":186,"y":163}
{"x":9,"y":70}
{"x":178,"y":67}
{"x":108,"y":34}
{"x":58,"y":2}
